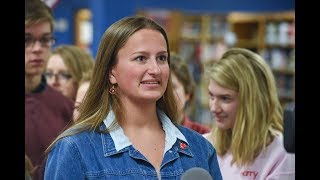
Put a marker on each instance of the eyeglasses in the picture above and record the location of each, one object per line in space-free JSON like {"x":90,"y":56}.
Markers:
{"x":61,"y":77}
{"x":45,"y":41}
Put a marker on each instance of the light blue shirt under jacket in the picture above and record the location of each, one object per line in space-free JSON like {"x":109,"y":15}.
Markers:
{"x":96,"y":155}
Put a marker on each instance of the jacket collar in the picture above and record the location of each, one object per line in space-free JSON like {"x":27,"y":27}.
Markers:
{"x":118,"y":142}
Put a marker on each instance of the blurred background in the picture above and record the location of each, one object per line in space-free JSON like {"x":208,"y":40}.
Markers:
{"x":199,"y":31}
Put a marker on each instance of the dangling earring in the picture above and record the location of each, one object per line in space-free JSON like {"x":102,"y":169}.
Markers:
{"x":112,"y":90}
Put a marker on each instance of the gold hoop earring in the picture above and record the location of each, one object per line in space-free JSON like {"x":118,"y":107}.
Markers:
{"x":112,"y":90}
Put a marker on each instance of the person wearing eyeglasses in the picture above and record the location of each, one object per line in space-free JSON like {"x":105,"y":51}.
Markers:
{"x":47,"y":111}
{"x":65,"y":68}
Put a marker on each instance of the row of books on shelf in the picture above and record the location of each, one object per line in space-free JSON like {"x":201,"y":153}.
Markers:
{"x":217,"y":28}
{"x":277,"y":34}
{"x":280,"y":58}
{"x":281,"y":33}
{"x":277,"y":58}
{"x":202,"y":51}
{"x":285,"y":85}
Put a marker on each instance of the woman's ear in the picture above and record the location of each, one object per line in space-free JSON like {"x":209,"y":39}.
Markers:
{"x":112,"y":78}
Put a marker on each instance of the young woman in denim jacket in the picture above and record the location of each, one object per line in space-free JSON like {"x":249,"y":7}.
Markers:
{"x":126,"y":125}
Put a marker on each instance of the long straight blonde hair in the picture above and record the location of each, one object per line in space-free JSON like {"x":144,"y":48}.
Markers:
{"x":259,"y":115}
{"x":98,"y":102}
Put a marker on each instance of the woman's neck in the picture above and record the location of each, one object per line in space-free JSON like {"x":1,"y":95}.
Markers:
{"x":137,"y":114}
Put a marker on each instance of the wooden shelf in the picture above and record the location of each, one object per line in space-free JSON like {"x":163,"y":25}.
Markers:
{"x":280,"y":16}
{"x":193,"y":33}
{"x":284,"y":71}
{"x":240,"y":17}
{"x":250,"y":29}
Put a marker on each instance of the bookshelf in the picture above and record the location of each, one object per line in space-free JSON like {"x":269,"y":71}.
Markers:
{"x":272,"y":36}
{"x":200,"y":38}
{"x":201,"y":41}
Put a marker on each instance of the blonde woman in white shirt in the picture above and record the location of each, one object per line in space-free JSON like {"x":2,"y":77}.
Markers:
{"x":248,"y":118}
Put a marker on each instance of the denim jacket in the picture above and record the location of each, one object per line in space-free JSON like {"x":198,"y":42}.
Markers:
{"x":95,"y":155}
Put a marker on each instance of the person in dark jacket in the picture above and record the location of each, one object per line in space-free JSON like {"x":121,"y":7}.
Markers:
{"x":47,"y":111}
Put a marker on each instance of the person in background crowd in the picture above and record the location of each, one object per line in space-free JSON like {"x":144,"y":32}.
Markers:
{"x":81,"y":92}
{"x":125,"y":128}
{"x":184,"y":88}
{"x":65,"y":68}
{"x":249,"y":118}
{"x":47,"y":111}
